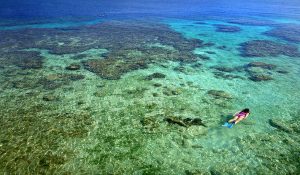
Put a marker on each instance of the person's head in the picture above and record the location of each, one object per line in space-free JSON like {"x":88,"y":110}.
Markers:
{"x":246,"y":110}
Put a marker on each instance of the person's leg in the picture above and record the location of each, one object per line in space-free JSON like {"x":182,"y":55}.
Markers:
{"x":235,"y":118}
{"x":238,"y":120}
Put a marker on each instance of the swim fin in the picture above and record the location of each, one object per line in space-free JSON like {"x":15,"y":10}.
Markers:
{"x":228,"y":125}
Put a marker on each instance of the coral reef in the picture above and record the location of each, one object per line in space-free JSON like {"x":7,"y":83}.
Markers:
{"x":54,"y":81}
{"x":127,"y":43}
{"x":286,"y":32}
{"x":22,"y":59}
{"x":264,"y":48}
{"x":260,"y":71}
{"x":261,"y":65}
{"x":113,"y":69}
{"x":227,"y":28}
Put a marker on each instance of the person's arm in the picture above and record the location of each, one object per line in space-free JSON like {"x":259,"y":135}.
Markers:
{"x":247,"y":115}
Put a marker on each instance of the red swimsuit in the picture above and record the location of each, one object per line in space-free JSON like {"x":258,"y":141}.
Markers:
{"x":241,"y":115}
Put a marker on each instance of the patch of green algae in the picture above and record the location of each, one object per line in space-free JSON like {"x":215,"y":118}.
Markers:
{"x":35,"y":134}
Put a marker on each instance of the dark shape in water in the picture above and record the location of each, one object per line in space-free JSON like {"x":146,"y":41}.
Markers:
{"x":210,"y":52}
{"x":280,"y":124}
{"x":157,"y":85}
{"x":184,"y":122}
{"x":260,"y":77}
{"x":226,"y":76}
{"x":193,"y":121}
{"x":79,"y":56}
{"x":127,"y":44}
{"x":55,"y":81}
{"x":73,"y":66}
{"x":208,"y":44}
{"x":112,"y":69}
{"x":286,"y":32}
{"x":261,"y":65}
{"x":200,"y":22}
{"x":222,"y":47}
{"x":22,"y":59}
{"x":219,"y":94}
{"x":49,"y":97}
{"x":252,"y":22}
{"x":264,"y":48}
{"x":223,"y":68}
{"x":203,"y":57}
{"x":227,"y":28}
{"x":282,"y":71}
{"x":155,"y":75}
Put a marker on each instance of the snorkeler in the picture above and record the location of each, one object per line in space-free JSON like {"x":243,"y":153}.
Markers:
{"x":237,"y":117}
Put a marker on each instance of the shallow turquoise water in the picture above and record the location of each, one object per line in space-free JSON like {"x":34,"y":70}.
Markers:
{"x":116,"y":141}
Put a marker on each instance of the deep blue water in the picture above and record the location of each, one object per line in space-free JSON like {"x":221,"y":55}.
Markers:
{"x":92,"y":8}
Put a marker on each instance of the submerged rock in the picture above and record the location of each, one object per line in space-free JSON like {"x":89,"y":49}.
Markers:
{"x":155,"y":76}
{"x":219,"y":94}
{"x":193,"y":121}
{"x":223,"y":68}
{"x":265,"y":48}
{"x":210,"y":52}
{"x":282,"y":71}
{"x":280,"y":124}
{"x":157,"y":85}
{"x":49,"y":97}
{"x":155,"y":94}
{"x":260,"y":77}
{"x":73,"y":66}
{"x":262,"y":65}
{"x":175,"y":120}
{"x":222,"y":47}
{"x":184,"y":122}
{"x":226,"y":75}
